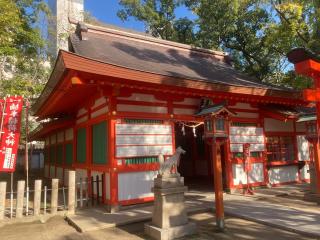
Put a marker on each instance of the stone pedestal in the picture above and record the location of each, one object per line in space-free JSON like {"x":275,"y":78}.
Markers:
{"x":169,"y":218}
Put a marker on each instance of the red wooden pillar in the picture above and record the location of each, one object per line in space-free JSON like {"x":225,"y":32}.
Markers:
{"x":218,"y":189}
{"x":114,"y":202}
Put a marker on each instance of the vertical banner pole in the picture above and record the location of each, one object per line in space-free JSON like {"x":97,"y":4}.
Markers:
{"x":2,"y":116}
{"x":26,"y":155}
{"x":11,"y":195}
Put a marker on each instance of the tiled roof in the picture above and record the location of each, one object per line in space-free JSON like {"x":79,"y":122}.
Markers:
{"x":144,"y":53}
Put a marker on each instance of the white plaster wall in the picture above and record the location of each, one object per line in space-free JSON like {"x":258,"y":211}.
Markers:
{"x":247,"y":115}
{"x":189,"y":101}
{"x":100,"y":112}
{"x":142,"y":97}
{"x":69,"y":134}
{"x":59,"y":174}
{"x":52,"y":171}
{"x":273,"y":125}
{"x":81,"y":111}
{"x":304,"y":174}
{"x":99,"y":101}
{"x":243,"y":106}
{"x":81,"y":120}
{"x":255,"y":175}
{"x":184,"y":111}
{"x":60,"y":137}
{"x":137,"y":108}
{"x":135,"y":185}
{"x":283,"y":174}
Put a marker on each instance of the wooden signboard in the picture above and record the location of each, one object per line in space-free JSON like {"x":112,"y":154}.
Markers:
{"x":242,"y":135}
{"x":135,"y":140}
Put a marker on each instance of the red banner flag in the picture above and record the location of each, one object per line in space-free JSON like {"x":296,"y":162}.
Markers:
{"x":246,"y":155}
{"x":10,"y":133}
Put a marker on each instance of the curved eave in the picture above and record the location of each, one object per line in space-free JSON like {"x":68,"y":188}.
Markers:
{"x":44,"y":129}
{"x":70,"y":63}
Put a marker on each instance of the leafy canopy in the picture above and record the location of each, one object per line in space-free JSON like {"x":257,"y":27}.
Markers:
{"x":256,"y":33}
{"x":23,"y":53}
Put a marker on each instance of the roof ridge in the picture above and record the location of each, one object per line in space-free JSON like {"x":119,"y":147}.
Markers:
{"x":143,"y":36}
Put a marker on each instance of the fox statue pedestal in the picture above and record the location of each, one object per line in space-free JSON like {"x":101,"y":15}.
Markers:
{"x":169,"y":218}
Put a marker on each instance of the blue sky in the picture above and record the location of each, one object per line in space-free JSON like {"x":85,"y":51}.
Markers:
{"x":106,"y":11}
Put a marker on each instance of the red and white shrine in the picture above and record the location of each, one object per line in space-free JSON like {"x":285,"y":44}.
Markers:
{"x":119,"y":98}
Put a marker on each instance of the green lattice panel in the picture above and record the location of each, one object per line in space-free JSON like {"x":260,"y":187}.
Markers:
{"x":141,"y":160}
{"x":81,"y":145}
{"x":99,"y":143}
{"x":69,"y":153}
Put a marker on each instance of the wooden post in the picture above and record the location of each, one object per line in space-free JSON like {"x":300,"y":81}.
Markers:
{"x":71,"y":191}
{"x":218,"y":190}
{"x":37,"y":197}
{"x":98,"y":188}
{"x":54,"y":195}
{"x":114,"y":201}
{"x":45,"y":200}
{"x":20,"y":197}
{"x":317,"y":145}
{"x":3,"y":189}
{"x":81,"y":192}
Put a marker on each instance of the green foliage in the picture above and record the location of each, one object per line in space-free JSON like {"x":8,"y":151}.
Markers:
{"x":256,"y":33}
{"x":23,"y":68}
{"x":159,"y":18}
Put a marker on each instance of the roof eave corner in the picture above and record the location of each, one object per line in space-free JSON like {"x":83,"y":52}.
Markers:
{"x":59,"y":67}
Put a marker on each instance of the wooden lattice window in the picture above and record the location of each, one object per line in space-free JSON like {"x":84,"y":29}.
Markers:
{"x":52,"y":154}
{"x":280,"y":148}
{"x":99,"y":143}
{"x":81,"y":145}
{"x":60,"y":154}
{"x":69,"y":153}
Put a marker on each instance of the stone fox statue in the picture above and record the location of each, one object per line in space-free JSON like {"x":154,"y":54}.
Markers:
{"x":171,"y":162}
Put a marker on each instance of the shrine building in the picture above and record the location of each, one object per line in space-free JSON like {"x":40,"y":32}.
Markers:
{"x":118,"y":98}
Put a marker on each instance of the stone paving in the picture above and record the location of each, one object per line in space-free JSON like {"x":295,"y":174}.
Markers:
{"x":280,"y":219}
{"x":57,"y":229}
{"x":298,"y":217}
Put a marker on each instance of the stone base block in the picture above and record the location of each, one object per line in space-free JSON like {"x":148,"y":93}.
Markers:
{"x":113,"y":208}
{"x":170,"y":233}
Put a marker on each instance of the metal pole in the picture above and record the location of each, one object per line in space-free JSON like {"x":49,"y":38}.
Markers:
{"x":2,"y":116}
{"x":92,"y":191}
{"x":64,"y":198}
{"x":11,"y":196}
{"x":26,"y":145}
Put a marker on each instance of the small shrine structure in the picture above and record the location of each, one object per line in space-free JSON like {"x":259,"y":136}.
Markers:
{"x":118,"y":98}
